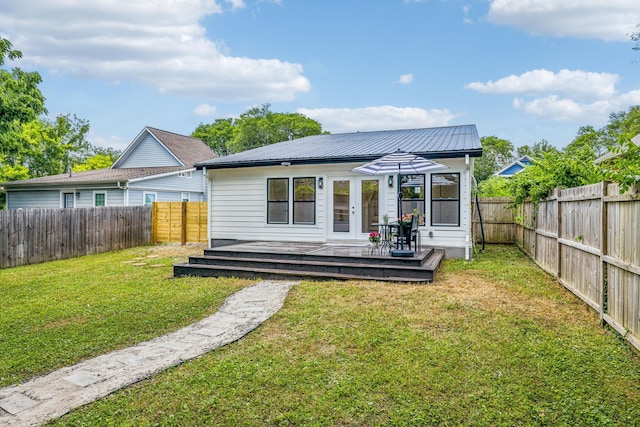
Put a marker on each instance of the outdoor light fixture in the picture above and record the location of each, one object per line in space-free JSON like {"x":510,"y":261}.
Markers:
{"x":320,"y":182}
{"x":390,"y":180}
{"x":78,"y":194}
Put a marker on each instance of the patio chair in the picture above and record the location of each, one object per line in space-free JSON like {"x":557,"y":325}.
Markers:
{"x":414,"y":233}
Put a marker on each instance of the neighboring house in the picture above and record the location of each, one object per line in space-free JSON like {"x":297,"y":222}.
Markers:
{"x":304,"y":190}
{"x":156,"y":166}
{"x":514,"y":167}
{"x":612,"y":155}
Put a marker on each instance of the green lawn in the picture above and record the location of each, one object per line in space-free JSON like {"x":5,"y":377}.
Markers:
{"x":59,"y":313}
{"x":493,"y":342}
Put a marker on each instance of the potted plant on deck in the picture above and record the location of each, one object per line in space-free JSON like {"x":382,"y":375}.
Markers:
{"x":374,"y":239}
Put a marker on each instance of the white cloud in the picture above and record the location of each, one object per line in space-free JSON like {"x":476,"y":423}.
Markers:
{"x":566,"y":96}
{"x":573,"y":83}
{"x":236,"y":4}
{"x":205,"y":110}
{"x":385,"y":117}
{"x":405,"y":79}
{"x":592,"y":19}
{"x":155,"y":42}
{"x":567,"y":110}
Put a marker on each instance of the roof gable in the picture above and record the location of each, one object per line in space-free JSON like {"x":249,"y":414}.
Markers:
{"x":515,"y":167}
{"x":442,"y":142}
{"x":157,"y":148}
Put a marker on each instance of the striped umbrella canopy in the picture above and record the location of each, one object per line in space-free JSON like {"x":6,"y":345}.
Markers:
{"x":399,"y":163}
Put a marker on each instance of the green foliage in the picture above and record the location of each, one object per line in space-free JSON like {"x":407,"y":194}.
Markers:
{"x":624,"y":167}
{"x":496,"y":153}
{"x":537,"y":150}
{"x":256,"y":127}
{"x":21,"y":102}
{"x":496,"y":186}
{"x":554,"y":169}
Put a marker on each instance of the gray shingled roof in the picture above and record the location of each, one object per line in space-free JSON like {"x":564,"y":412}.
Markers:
{"x":98,"y":176}
{"x":433,"y":143}
{"x":188,"y":150}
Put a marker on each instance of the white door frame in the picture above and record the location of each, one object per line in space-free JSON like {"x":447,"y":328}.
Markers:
{"x":354,"y":208}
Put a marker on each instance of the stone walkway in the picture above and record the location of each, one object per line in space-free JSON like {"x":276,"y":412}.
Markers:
{"x":50,"y":396}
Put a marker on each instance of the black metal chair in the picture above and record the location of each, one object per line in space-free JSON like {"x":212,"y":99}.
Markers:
{"x":414,"y":233}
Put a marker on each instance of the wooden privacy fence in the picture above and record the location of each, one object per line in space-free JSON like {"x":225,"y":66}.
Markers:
{"x":179,"y":222}
{"x":31,"y":236}
{"x":498,"y":220}
{"x":589,"y":238}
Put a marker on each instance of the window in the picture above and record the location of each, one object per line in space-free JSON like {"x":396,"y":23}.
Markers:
{"x":99,"y":199}
{"x":149,"y":198}
{"x":185,"y":197}
{"x":68,"y":200}
{"x":445,"y":199}
{"x":185,"y":174}
{"x":278,"y":200}
{"x":413,"y":195}
{"x":304,"y":200}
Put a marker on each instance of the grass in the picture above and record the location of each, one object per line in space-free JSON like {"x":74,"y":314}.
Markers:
{"x":493,"y":342}
{"x":59,"y":313}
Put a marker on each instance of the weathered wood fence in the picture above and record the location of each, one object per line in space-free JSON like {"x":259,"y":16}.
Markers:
{"x":31,"y":236}
{"x":498,"y":220}
{"x":179,"y":222}
{"x":589,"y":238}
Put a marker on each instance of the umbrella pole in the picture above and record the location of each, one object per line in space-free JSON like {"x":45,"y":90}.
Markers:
{"x":401,"y":252}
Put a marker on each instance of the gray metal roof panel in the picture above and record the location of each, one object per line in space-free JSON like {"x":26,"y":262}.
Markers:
{"x":452,"y":141}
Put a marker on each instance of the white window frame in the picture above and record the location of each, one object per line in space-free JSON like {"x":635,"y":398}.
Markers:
{"x":186,"y":174}
{"x":151,"y":193}
{"x":94,"y":198}
{"x":62,"y":193}
{"x":185,"y":196}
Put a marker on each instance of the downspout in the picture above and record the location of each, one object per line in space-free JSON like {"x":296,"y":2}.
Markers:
{"x":126,"y":193}
{"x":467,"y":239}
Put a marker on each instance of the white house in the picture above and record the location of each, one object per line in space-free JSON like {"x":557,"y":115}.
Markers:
{"x":304,"y":190}
{"x":156,"y":166}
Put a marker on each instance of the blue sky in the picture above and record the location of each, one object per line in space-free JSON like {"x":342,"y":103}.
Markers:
{"x":523,"y":70}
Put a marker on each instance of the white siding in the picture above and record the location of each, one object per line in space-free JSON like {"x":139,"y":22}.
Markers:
{"x":148,"y":152}
{"x":237,"y":205}
{"x":172,"y":182}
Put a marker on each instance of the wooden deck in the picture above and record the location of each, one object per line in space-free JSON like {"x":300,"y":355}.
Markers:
{"x":312,"y":261}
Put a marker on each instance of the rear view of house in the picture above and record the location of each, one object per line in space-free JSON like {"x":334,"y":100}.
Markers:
{"x":156,"y":166}
{"x":305,"y":190}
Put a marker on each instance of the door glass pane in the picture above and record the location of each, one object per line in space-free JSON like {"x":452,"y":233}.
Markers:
{"x":341,"y":206}
{"x":370,"y":205}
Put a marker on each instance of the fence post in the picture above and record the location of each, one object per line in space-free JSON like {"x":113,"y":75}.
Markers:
{"x":604,"y":239}
{"x":183,"y":223}
{"x":154,"y":223}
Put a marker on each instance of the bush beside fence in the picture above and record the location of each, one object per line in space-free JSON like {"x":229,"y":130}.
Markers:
{"x":31,"y":236}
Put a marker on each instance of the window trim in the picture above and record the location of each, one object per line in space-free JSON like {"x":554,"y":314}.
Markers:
{"x":182,"y":196}
{"x":185,"y":174}
{"x":144,"y":197}
{"x":94,"y":198}
{"x":313,"y":202}
{"x":423,"y":200}
{"x":278,"y":202}
{"x":458,"y":199}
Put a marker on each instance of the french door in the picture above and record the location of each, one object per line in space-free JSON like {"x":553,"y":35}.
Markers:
{"x":354,"y":205}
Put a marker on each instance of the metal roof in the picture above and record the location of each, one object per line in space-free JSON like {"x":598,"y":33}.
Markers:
{"x":432,"y":143}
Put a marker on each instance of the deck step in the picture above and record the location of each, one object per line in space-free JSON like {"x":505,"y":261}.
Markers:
{"x":273,"y":265}
{"x":350,"y":268}
{"x":204,"y":270}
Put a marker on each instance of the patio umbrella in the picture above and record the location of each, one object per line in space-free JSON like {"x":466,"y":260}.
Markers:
{"x":400,"y":163}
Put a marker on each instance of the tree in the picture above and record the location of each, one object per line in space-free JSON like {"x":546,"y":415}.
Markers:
{"x":21,"y":102}
{"x":624,"y":168}
{"x":254,"y":128}
{"x":54,"y":146}
{"x":496,"y":153}
{"x":217,"y":135}
{"x":495,"y":186}
{"x":538,"y":149}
